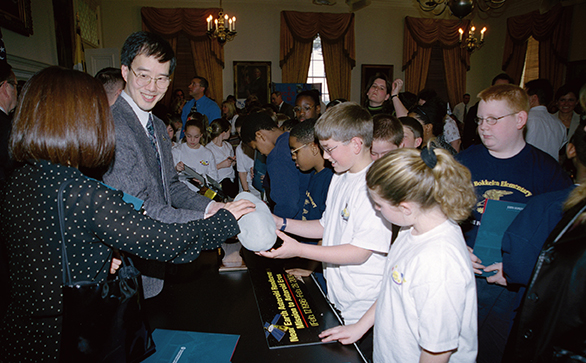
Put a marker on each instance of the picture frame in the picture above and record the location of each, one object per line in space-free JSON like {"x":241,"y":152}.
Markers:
{"x":16,"y":15}
{"x":252,"y":78}
{"x":369,"y":70}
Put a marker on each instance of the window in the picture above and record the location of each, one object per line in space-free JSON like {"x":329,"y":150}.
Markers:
{"x":531,"y":66}
{"x":317,"y":71}
{"x":87,"y":10}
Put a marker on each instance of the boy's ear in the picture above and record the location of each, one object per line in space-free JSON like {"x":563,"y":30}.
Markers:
{"x":522,"y":117}
{"x":418,"y":141}
{"x":315,"y":149}
{"x":259,"y":135}
{"x":358,"y":144}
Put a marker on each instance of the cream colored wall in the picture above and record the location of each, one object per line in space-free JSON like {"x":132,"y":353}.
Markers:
{"x":379,"y":34}
{"x":27,"y":54}
{"x":378,"y":29}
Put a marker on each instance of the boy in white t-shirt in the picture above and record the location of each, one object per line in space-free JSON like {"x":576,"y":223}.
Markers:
{"x":355,"y":239}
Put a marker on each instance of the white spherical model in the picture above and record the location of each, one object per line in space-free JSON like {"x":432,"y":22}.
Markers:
{"x":257,"y":229}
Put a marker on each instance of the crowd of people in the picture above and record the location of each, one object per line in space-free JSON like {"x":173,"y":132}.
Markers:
{"x":381,"y":201}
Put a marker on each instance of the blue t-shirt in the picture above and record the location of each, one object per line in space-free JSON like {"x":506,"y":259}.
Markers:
{"x":530,"y":172}
{"x":314,"y":202}
{"x":205,"y":106}
{"x":287,"y":183}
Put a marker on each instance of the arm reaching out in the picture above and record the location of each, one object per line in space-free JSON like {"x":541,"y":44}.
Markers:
{"x":348,"y":334}
{"x":346,"y":254}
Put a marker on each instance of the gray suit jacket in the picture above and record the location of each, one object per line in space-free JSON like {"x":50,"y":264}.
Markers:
{"x":135,"y":170}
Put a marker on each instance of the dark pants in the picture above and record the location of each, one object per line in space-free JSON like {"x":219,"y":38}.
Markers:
{"x":496,"y":306}
{"x":229,"y":187}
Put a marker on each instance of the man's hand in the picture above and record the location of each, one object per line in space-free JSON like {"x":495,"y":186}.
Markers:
{"x":497,"y":278}
{"x":476,"y":262}
{"x":213,"y":208}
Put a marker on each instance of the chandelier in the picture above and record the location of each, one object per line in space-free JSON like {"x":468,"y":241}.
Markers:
{"x":459,"y":8}
{"x":223,"y":28}
{"x":471,"y":43}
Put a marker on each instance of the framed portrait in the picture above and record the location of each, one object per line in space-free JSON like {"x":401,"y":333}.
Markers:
{"x":252,"y":78}
{"x":16,"y":16}
{"x":369,"y":70}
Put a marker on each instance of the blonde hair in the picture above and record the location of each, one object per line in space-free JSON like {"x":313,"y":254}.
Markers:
{"x":345,"y":121}
{"x":231,"y":109}
{"x":402,"y":176}
{"x":515,"y":96}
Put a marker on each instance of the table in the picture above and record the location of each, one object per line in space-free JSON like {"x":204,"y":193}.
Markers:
{"x":224,"y":302}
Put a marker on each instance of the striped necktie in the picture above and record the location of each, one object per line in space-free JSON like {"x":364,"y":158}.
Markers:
{"x":153,"y":138}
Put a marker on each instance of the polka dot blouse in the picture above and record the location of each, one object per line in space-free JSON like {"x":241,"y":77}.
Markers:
{"x":96,"y":219}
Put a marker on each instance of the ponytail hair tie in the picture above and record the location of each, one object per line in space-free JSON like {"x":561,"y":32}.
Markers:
{"x":209,"y":129}
{"x":429,"y":157}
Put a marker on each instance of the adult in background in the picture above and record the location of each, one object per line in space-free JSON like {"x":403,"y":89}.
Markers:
{"x":282,"y":106}
{"x":8,"y":98}
{"x":54,"y":150}
{"x":544,"y":131}
{"x":566,"y":100}
{"x":461,"y":109}
{"x":143,"y":165}
{"x":200,"y":102}
{"x":112,"y":81}
{"x":378,"y":94}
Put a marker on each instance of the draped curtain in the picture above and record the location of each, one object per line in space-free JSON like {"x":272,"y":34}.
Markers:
{"x":552,"y":30}
{"x":337,"y":34}
{"x":208,"y":54}
{"x":420,"y":36}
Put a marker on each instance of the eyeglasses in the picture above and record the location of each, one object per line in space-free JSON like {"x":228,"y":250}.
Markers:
{"x":293,"y":152}
{"x":304,"y":108}
{"x":144,"y":80}
{"x":492,"y":120}
{"x":330,"y":149}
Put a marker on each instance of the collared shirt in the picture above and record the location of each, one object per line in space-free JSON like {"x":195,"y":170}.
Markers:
{"x":143,"y":116}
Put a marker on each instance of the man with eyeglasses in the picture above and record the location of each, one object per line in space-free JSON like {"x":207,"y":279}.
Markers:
{"x":143,"y":165}
{"x":8,"y":98}
{"x":503,"y":167}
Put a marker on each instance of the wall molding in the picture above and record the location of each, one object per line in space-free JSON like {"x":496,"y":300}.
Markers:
{"x":24,"y":68}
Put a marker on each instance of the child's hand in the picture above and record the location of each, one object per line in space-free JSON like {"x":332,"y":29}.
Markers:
{"x":180,"y":166}
{"x":497,"y":278}
{"x":345,"y":334}
{"x":225,"y":164}
{"x":476,"y":262}
{"x":289,"y":248}
{"x":299,"y":273}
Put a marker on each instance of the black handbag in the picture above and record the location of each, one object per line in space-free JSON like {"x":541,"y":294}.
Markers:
{"x":102,"y":321}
